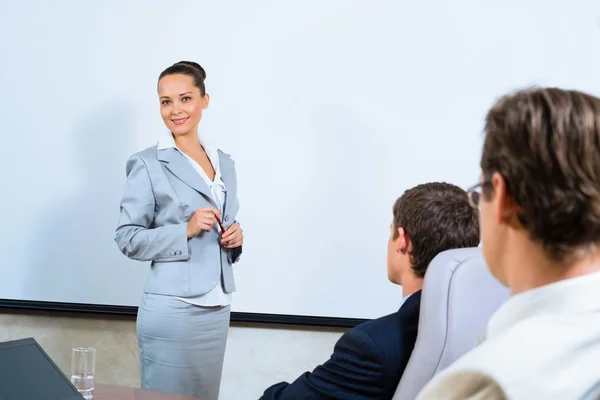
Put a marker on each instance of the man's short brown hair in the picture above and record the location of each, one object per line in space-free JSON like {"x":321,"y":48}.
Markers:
{"x":546,"y":145}
{"x":436,"y":217}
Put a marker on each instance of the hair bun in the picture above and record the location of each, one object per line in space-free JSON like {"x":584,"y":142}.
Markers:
{"x":194,"y":65}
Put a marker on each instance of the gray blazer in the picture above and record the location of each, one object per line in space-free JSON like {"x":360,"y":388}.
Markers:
{"x":161,"y":193}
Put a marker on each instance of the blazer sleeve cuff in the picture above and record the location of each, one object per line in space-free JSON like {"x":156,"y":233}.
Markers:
{"x":177,"y":248}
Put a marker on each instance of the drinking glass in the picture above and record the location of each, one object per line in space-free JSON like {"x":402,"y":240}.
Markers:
{"x":83,"y":368}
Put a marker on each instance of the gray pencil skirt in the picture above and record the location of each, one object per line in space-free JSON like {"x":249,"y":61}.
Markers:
{"x":181,"y":346}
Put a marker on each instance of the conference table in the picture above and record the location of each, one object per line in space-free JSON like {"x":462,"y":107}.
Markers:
{"x":111,"y":392}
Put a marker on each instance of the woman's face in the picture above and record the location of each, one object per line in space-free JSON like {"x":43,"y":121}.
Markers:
{"x":181,"y":103}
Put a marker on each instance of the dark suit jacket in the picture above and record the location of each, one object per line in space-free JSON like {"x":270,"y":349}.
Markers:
{"x":367,"y":361}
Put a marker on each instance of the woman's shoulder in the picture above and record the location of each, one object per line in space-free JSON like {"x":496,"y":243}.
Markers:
{"x":147,"y":154}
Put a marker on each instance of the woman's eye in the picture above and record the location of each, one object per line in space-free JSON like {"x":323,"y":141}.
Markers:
{"x":165,"y":102}
{"x":186,"y":98}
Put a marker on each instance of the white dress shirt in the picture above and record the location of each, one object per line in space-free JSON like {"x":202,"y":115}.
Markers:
{"x":541,"y":344}
{"x":217,"y":296}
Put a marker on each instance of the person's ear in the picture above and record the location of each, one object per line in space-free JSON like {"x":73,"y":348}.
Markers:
{"x":503,"y":205}
{"x":206,"y":101}
{"x":402,"y":241}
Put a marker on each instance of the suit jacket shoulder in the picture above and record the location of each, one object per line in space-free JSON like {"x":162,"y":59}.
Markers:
{"x":367,"y":361}
{"x":148,"y":153}
{"x":394,"y":337}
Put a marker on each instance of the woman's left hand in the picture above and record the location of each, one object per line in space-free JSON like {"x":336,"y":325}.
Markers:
{"x":232,"y":237}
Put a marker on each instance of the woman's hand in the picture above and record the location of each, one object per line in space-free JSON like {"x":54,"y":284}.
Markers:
{"x":232,"y":237}
{"x":204,"y":219}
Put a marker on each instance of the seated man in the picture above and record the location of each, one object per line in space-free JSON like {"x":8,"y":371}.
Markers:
{"x":368,"y":361}
{"x":540,"y":226}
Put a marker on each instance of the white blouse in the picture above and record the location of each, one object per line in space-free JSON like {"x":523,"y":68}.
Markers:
{"x":217,"y":296}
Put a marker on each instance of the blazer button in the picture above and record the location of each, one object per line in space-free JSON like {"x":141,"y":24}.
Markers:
{"x":172,"y":253}
{"x":178,"y":252}
{"x":226,"y":218}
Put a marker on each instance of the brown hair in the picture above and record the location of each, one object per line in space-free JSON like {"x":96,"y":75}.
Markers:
{"x":436,"y":217}
{"x":546,"y":145}
{"x":189,"y":68}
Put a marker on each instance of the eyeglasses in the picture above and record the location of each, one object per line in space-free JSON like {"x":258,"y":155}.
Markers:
{"x":474,"y":193}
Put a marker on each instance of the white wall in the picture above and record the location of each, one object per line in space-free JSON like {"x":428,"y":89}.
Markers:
{"x":331,"y":109}
{"x":258,"y":357}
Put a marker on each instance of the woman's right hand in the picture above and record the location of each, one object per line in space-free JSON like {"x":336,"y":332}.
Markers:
{"x":203,"y":219}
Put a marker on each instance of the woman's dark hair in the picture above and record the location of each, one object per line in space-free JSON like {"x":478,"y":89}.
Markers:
{"x":188,"y":68}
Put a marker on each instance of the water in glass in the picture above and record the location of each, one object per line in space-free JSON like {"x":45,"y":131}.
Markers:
{"x":83,"y":368}
{"x":85,"y":384}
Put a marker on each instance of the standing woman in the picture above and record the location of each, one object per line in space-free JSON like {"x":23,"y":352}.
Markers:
{"x":177,"y":195}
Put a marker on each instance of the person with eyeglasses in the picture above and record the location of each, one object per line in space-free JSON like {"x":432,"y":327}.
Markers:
{"x":539,"y":205}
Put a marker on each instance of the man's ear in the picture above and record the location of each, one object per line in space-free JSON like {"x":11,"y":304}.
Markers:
{"x":503,"y":205}
{"x":403,"y":242}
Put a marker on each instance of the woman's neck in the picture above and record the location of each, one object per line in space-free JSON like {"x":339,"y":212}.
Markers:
{"x":188,"y":142}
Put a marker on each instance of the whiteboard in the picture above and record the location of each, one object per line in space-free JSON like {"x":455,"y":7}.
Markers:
{"x":331,"y":110}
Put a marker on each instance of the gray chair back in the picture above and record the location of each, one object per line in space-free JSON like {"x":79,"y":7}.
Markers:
{"x":459,"y":296}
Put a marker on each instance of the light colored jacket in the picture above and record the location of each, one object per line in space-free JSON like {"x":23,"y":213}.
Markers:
{"x":161,"y":193}
{"x":541,"y":344}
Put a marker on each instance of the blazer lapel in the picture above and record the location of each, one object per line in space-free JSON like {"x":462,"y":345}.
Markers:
{"x":227,"y":175}
{"x":227,"y":170}
{"x":176,"y":163}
